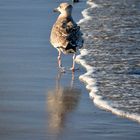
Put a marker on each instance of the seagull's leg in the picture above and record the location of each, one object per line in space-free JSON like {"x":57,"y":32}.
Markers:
{"x":73,"y":64}
{"x":59,"y":61}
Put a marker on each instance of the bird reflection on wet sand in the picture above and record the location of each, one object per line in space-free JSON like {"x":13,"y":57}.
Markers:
{"x":61,"y":101}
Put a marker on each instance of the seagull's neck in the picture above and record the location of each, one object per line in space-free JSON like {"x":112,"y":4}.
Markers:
{"x":65,"y":15}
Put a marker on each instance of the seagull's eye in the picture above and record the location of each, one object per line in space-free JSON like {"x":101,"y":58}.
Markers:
{"x":60,"y":6}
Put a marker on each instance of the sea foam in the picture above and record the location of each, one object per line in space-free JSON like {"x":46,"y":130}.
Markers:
{"x":91,"y":82}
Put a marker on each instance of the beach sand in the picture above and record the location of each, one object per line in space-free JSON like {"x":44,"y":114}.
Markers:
{"x":36,"y":101}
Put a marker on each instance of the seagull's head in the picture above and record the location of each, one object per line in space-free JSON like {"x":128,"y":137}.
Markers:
{"x":64,"y":8}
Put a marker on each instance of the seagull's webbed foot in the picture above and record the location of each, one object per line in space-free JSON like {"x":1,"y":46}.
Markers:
{"x":74,"y":69}
{"x":62,"y":69}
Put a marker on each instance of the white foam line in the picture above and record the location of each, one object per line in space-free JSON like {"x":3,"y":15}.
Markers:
{"x":85,"y":12}
{"x":91,"y":86}
{"x":91,"y":82}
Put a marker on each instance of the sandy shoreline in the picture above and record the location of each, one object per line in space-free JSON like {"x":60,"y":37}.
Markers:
{"x":31,"y":87}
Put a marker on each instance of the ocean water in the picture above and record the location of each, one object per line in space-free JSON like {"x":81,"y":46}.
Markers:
{"x":111,"y":55}
{"x":36,"y":101}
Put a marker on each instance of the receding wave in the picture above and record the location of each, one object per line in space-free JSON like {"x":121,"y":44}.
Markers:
{"x":111,"y":55}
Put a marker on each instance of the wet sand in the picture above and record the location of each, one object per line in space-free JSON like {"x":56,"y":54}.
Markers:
{"x":36,"y":101}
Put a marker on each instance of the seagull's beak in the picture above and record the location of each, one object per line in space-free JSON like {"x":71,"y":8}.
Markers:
{"x":55,"y":10}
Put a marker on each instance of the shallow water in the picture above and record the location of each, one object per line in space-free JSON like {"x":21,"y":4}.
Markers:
{"x":112,"y":33}
{"x":30,"y":82}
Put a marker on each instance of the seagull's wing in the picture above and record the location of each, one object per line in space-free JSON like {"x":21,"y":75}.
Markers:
{"x":74,"y":35}
{"x":59,"y":35}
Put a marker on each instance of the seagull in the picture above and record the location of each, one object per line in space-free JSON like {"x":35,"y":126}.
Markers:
{"x":66,"y":36}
